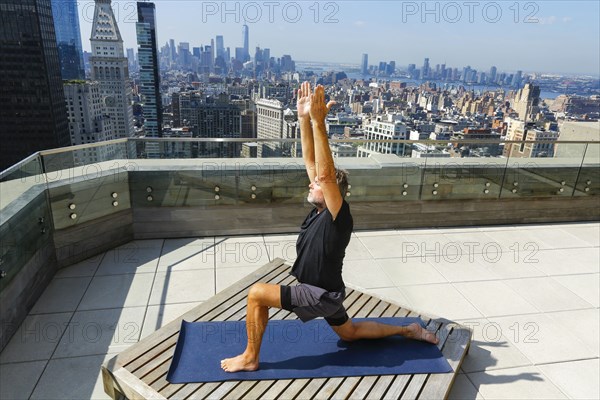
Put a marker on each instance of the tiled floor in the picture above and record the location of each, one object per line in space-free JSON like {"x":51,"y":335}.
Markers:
{"x":530,"y":293}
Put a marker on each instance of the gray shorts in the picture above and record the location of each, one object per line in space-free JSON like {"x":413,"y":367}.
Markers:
{"x":309,"y":302}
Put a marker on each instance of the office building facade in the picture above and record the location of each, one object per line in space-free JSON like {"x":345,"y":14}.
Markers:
{"x":88,"y":122}
{"x":149,"y":72}
{"x":68,"y":39}
{"x":33,"y":116}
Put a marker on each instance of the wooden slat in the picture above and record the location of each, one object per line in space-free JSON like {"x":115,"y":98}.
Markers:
{"x":347,"y":387}
{"x":221,"y":391}
{"x":416,"y":383}
{"x":198,"y":391}
{"x":313,"y":386}
{"x":258,"y":390}
{"x":438,"y":386}
{"x":275,"y":390}
{"x":132,"y":387}
{"x":397,"y":387}
{"x":380,"y":387}
{"x":329,"y":388}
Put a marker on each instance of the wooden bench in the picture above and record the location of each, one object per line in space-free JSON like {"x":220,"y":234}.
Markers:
{"x":140,"y":371}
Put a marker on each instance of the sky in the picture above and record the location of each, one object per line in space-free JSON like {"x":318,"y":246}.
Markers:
{"x":533,"y":36}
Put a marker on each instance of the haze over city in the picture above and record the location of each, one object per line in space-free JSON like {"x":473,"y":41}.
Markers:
{"x":541,"y":36}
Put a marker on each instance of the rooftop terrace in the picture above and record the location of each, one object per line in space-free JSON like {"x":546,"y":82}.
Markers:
{"x":530,"y":293}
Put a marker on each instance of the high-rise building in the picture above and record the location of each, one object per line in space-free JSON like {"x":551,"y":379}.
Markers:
{"x":245,"y":35}
{"x":110,"y":69}
{"x":33,"y":115}
{"x":132,"y":62}
{"x":269,"y":125}
{"x":88,"y":122}
{"x":149,"y":71}
{"x":173,"y":50}
{"x":220,"y":46}
{"x":493,"y":72}
{"x":526,"y":102}
{"x":516,"y":80}
{"x":426,"y":69}
{"x":287,"y":64}
{"x":184,"y":55}
{"x":206,"y":61}
{"x":68,"y":38}
{"x":221,"y":59}
{"x":364,"y":69}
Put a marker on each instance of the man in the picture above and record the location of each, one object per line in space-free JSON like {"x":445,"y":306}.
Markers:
{"x":321,"y":247}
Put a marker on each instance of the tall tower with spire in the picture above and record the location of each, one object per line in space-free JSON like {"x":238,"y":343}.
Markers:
{"x":246,"y":43}
{"x":109,"y":67}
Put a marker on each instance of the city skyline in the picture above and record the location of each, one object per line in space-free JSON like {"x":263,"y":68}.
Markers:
{"x":544,"y":36}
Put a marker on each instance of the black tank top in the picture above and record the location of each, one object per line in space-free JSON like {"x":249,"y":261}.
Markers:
{"x":321,"y":248}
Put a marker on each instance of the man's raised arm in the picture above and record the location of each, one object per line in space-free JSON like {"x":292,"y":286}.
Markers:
{"x":323,"y":159}
{"x":306,"y":132}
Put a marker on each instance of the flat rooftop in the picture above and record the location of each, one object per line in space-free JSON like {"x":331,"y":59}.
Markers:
{"x":531,"y":294}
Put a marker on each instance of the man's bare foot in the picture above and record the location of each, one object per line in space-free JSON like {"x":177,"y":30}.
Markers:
{"x":239,"y":363}
{"x":417,"y":332}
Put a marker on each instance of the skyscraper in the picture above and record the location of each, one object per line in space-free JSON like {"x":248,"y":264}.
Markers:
{"x":365,"y":64}
{"x":88,"y":122}
{"x":246,"y":43}
{"x":493,"y":72}
{"x":68,"y":38}
{"x":269,"y":125}
{"x":173,"y":50}
{"x":149,"y":72}
{"x":221,"y":59}
{"x":220,"y":46}
{"x":526,"y":102}
{"x":425,"y":70}
{"x":132,"y":60}
{"x":109,"y":67}
{"x":516,"y":81}
{"x":33,"y":115}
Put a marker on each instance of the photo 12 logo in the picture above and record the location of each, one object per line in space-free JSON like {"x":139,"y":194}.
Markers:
{"x":270,"y":11}
{"x":470,"y":11}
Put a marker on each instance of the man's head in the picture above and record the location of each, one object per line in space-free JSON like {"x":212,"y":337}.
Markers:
{"x":315,"y":194}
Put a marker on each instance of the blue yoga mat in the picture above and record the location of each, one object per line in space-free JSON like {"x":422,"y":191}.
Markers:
{"x":292,"y":349}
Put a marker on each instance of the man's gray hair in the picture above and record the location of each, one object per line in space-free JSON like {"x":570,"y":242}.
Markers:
{"x":341,"y":177}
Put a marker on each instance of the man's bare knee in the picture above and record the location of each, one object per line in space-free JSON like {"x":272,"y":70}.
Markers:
{"x":256,"y":292}
{"x":263,"y":294}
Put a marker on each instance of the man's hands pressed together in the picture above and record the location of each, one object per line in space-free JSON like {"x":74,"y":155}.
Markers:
{"x":318,"y":108}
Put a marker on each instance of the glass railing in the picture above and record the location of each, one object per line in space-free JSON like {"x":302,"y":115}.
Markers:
{"x":57,"y":190}
{"x":25,"y":217}
{"x":419,"y":170}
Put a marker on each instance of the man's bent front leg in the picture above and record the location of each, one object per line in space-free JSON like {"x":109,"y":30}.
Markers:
{"x":260,"y":297}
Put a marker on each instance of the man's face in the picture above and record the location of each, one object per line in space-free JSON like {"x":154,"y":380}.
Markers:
{"x":315,"y":194}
